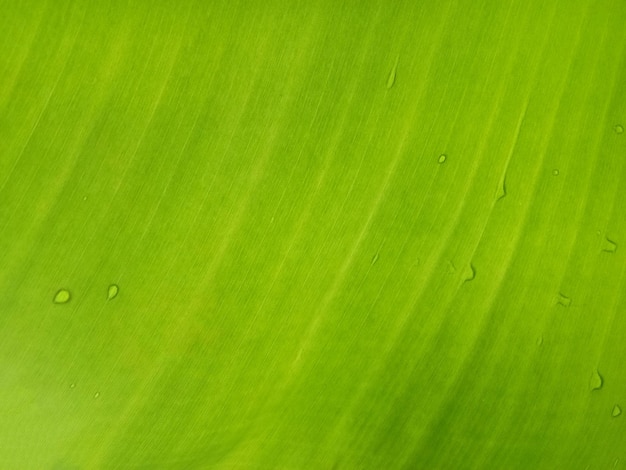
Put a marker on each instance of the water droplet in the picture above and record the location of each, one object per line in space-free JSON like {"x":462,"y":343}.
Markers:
{"x":391,"y":80}
{"x":113,"y":291}
{"x":442,"y":158}
{"x":555,"y":172}
{"x":564,"y":300}
{"x":73,"y":385}
{"x":619,"y":129}
{"x":609,"y":245}
{"x":96,"y":395}
{"x":451,"y":267}
{"x":375,"y":258}
{"x":596,"y":381}
{"x":616,"y":411}
{"x":470,"y":273}
{"x":84,"y":198}
{"x":501,"y":190}
{"x":62,"y":296}
{"x":540,"y":340}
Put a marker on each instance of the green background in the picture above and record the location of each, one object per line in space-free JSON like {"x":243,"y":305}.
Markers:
{"x":302,"y":284}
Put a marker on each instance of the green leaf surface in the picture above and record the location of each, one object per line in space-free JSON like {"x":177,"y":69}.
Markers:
{"x":318,"y":235}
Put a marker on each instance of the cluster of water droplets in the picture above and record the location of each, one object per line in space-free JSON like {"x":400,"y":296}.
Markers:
{"x":596,"y":382}
{"x":64,"y":295}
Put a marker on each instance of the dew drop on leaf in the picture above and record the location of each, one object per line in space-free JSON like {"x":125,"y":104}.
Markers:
{"x":442,"y":158}
{"x":451,"y":267}
{"x":391,"y":80}
{"x":501,"y":187}
{"x":375,"y":258}
{"x":619,"y":129}
{"x":596,"y":381}
{"x":113,"y":291}
{"x":62,"y":296}
{"x":555,"y":172}
{"x":609,"y":245}
{"x":470,"y":273}
{"x":616,"y":411}
{"x":96,"y":395}
{"x":564,"y":300}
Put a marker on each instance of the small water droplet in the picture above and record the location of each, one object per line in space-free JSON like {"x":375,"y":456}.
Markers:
{"x":113,"y":291}
{"x":375,"y":259}
{"x":442,"y":158}
{"x":596,"y":381}
{"x":470,"y":273}
{"x":501,"y":190}
{"x":391,"y":80}
{"x":564,"y":300}
{"x":73,"y":385}
{"x":609,"y":246}
{"x":96,"y":395}
{"x":555,"y":172}
{"x":84,"y":198}
{"x":619,"y":129}
{"x":451,"y":267}
{"x":616,"y":411}
{"x":63,"y":296}
{"x":540,"y":340}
